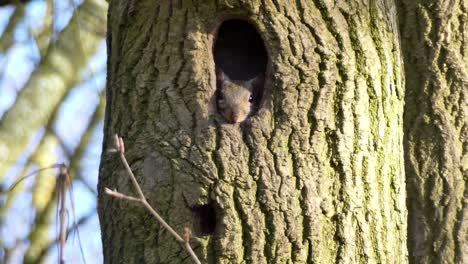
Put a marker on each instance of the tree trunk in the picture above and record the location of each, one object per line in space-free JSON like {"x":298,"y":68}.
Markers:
{"x":316,"y":175}
{"x":434,"y":40}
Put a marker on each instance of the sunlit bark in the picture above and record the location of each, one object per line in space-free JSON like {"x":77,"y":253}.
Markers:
{"x":315,"y":176}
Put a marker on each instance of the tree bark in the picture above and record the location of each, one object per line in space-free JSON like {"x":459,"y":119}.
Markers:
{"x":434,"y":41}
{"x":315,"y":176}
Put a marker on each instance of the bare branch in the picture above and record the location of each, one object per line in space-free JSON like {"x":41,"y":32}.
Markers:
{"x":121,"y":195}
{"x":8,"y":36}
{"x":120,"y":148}
{"x":45,"y":250}
{"x":187,"y":234}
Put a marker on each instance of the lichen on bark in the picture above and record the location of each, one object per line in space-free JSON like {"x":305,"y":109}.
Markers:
{"x":434,"y":43}
{"x":315,"y":176}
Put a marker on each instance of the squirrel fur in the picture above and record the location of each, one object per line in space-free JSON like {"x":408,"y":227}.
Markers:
{"x":235,"y":98}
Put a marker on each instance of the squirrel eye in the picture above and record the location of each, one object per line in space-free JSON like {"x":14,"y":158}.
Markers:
{"x":250,"y":99}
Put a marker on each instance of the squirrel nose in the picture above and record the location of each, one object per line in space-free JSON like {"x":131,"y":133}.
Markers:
{"x":234,"y":117}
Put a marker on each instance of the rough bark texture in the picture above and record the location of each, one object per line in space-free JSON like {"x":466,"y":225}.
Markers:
{"x":316,"y":176}
{"x":434,"y":41}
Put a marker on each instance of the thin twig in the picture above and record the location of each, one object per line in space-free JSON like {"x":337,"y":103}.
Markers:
{"x":121,"y":195}
{"x":120,"y":148}
{"x":62,"y":190}
{"x":45,"y":250}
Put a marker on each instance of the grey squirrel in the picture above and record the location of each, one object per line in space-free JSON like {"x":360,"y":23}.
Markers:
{"x":236,"y":97}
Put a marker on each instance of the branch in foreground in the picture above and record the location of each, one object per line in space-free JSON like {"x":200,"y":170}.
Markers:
{"x":120,"y":148}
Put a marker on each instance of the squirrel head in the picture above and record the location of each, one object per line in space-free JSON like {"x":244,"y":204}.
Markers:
{"x":235,"y":98}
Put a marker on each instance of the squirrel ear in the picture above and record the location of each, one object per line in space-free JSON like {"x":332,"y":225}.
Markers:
{"x":254,"y":81}
{"x":222,"y":77}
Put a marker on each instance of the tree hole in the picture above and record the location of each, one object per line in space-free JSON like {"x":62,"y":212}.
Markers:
{"x":205,"y":219}
{"x":241,"y":61}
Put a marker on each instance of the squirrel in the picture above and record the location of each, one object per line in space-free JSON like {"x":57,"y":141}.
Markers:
{"x":236,"y":97}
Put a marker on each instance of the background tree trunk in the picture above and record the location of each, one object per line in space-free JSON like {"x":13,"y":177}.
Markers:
{"x":434,"y":41}
{"x":315,"y":176}
{"x":58,"y":72}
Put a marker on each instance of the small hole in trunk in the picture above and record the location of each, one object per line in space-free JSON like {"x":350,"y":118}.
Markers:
{"x":205,"y":219}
